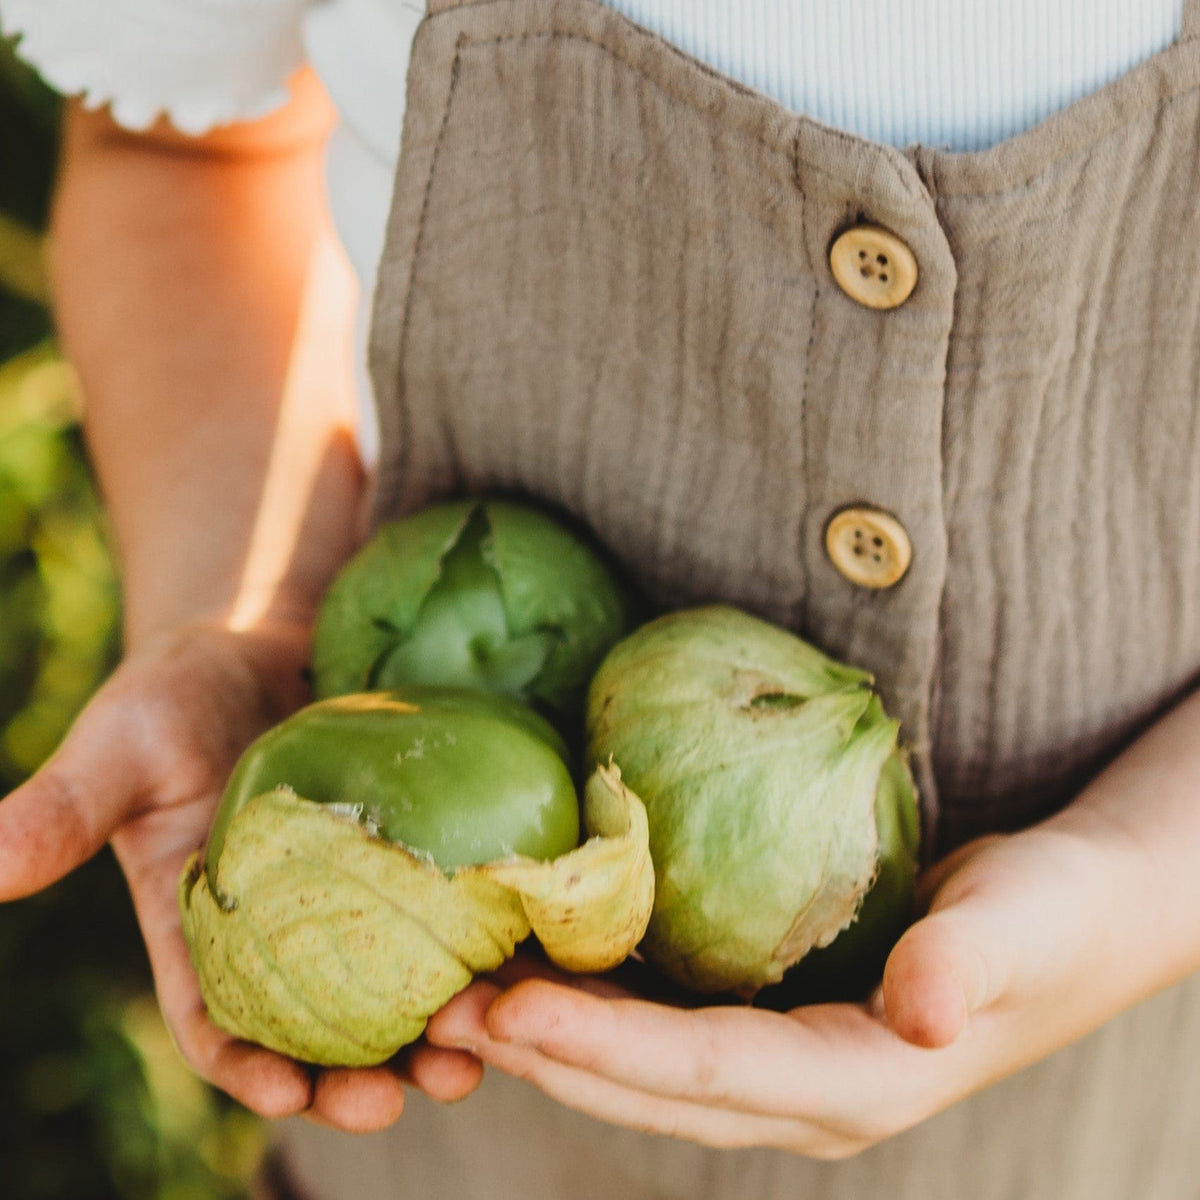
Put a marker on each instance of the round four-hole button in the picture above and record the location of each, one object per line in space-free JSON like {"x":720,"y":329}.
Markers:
{"x":868,"y":546}
{"x":873,"y":267}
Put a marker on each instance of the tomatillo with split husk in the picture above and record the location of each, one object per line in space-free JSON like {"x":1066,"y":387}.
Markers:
{"x":374,"y":852}
{"x":482,"y":594}
{"x":466,"y":777}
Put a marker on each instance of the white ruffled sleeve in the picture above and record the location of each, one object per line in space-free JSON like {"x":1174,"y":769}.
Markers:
{"x":201,"y":63}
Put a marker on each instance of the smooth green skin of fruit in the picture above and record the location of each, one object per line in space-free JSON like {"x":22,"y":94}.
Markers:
{"x":759,"y":760}
{"x":479,"y":593}
{"x":465,"y":777}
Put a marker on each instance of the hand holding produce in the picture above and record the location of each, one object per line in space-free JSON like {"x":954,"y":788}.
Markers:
{"x":378,"y":849}
{"x":374,"y":852}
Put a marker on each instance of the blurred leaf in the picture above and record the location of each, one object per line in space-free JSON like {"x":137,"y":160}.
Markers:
{"x":95,"y":1103}
{"x":22,"y":261}
{"x":29,"y":113}
{"x":37,"y":387}
{"x":22,"y":324}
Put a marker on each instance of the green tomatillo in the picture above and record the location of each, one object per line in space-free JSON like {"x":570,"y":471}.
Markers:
{"x":467,"y":777}
{"x":775,"y":792}
{"x":374,"y":852}
{"x":480,"y":594}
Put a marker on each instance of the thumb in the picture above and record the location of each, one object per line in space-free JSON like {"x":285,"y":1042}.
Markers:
{"x":69,"y":809}
{"x":940,"y":972}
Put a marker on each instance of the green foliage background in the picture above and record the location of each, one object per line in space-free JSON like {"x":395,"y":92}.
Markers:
{"x":95,"y":1103}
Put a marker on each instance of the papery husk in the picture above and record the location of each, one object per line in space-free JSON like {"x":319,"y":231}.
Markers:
{"x":758,"y":759}
{"x":550,"y":582}
{"x":590,"y":908}
{"x":334,"y":947}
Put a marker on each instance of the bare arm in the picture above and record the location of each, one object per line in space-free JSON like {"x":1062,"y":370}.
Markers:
{"x":202,"y":300}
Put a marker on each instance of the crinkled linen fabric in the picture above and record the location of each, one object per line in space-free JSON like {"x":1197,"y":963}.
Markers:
{"x":894,"y":71}
{"x":607,"y":284}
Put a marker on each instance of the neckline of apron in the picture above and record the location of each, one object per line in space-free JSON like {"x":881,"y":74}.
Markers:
{"x":1152,"y":84}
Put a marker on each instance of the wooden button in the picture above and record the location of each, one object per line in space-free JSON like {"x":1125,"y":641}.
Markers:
{"x":873,"y":267}
{"x":869,"y":547}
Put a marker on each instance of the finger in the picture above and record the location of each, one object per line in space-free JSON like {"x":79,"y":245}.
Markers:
{"x":459,"y":1023}
{"x":720,"y":1128}
{"x":722,"y":1057}
{"x":265,"y":1082}
{"x":930,"y":881}
{"x":632,"y":979}
{"x":936,"y":976}
{"x":747,"y":1060}
{"x":617,"y":1104}
{"x":358,"y":1100}
{"x":523,"y":967}
{"x":444,"y":1075}
{"x":64,"y":815}
{"x":1010,"y":921}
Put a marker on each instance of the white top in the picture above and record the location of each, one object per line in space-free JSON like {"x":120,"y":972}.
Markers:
{"x":959,"y":74}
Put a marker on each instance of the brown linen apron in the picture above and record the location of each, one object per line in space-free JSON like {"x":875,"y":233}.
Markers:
{"x":608,"y":284}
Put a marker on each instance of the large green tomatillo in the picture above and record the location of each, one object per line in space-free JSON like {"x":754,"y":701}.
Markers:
{"x":775,"y":793}
{"x":479,"y":594}
{"x":467,"y":777}
{"x":372,"y":853}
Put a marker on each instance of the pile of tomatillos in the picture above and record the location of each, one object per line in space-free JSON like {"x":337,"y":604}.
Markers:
{"x":495,"y":752}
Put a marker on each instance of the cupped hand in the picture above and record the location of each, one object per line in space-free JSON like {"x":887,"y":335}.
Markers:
{"x":1029,"y":942}
{"x":143,"y":767}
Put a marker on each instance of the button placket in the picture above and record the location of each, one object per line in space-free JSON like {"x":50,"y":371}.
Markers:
{"x":873,"y":403}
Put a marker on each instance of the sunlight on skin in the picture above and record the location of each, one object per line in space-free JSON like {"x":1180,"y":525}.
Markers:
{"x":320,"y":366}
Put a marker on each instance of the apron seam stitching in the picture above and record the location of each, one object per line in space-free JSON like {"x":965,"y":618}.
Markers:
{"x":588,"y":39}
{"x":880,"y":152}
{"x":889,"y":154}
{"x":801,"y":613}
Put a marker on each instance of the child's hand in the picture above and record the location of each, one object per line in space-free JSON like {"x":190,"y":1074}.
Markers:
{"x":1030,"y":942}
{"x":144,"y":766}
{"x":220,"y":420}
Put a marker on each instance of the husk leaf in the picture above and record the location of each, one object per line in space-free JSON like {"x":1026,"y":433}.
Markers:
{"x":589,"y":908}
{"x":334,"y":947}
{"x":553,"y":587}
{"x":377,"y":600}
{"x":758,"y":759}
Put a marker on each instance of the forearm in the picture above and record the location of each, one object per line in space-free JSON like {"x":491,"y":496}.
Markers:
{"x":1143,"y":813}
{"x":201,"y":299}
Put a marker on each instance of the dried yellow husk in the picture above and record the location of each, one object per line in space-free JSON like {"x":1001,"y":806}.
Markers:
{"x":334,"y":947}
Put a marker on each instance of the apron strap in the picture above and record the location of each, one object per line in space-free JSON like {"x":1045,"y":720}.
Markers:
{"x":1191,"y":21}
